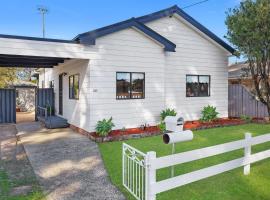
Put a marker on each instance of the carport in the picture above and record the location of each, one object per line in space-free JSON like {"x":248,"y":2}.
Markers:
{"x":32,"y":52}
{"x":43,"y":96}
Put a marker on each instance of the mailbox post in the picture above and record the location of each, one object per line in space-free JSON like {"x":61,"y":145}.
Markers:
{"x":175,"y":125}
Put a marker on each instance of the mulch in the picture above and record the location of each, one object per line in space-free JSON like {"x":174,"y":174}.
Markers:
{"x":118,"y":135}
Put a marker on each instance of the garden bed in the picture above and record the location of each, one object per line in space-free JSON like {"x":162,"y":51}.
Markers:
{"x":118,"y":135}
{"x":197,"y":125}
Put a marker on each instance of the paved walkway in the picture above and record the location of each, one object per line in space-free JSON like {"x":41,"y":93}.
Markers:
{"x":68,"y":165}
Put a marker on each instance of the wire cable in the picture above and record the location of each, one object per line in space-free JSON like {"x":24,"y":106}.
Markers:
{"x":194,"y":4}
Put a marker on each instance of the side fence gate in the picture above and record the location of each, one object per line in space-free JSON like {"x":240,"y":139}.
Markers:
{"x":7,"y":106}
{"x":139,"y":169}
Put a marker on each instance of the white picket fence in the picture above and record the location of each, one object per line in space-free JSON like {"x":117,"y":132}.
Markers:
{"x":150,"y":163}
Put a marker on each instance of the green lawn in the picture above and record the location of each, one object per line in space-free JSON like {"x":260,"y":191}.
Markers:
{"x":227,"y":186}
{"x":6,"y":184}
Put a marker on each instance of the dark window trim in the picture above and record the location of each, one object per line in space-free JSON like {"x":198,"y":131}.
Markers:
{"x":198,"y":82}
{"x":130,"y":86}
{"x":69,"y":95}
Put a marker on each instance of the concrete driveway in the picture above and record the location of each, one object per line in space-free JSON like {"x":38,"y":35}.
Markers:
{"x":68,"y":165}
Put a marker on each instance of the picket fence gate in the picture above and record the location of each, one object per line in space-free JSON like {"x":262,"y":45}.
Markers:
{"x":139,"y":169}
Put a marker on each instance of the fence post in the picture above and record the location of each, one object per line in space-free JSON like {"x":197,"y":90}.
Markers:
{"x":150,"y":178}
{"x":248,"y":137}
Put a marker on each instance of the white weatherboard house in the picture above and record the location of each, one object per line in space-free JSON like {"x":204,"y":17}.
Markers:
{"x":133,"y":69}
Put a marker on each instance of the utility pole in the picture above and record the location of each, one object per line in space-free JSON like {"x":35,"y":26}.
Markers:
{"x":43,"y":10}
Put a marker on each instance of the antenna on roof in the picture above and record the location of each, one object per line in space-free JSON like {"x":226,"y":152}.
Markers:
{"x":43,"y":10}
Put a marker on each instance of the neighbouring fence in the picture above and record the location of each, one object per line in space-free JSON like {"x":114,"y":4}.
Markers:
{"x":7,"y":106}
{"x":149,"y":164}
{"x":242,"y":102}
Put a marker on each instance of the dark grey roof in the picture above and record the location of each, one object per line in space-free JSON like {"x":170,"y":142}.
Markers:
{"x":139,"y":22}
{"x":90,"y":37}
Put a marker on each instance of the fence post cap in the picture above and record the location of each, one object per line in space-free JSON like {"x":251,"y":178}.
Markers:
{"x":152,"y":154}
{"x":248,"y":135}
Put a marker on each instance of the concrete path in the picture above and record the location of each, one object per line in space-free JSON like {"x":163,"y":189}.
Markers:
{"x":68,"y":165}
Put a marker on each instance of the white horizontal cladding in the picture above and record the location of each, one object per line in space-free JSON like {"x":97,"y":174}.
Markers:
{"x":75,"y":111}
{"x":126,"y":56}
{"x":197,"y":154}
{"x":171,"y":27}
{"x":44,"y":48}
{"x":184,"y":179}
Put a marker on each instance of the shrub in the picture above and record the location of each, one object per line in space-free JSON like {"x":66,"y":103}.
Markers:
{"x":209,"y":114}
{"x":162,"y":127}
{"x":104,"y":127}
{"x":167,"y":112}
{"x":246,"y":118}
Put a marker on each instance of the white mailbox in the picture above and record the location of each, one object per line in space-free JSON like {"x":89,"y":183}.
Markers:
{"x":178,"y":136}
{"x":174,"y":123}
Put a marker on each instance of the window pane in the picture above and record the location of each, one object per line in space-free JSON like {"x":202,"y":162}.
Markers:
{"x":76,"y":86}
{"x":192,"y":86}
{"x":122,"y":85}
{"x":204,"y":86}
{"x":71,"y":87}
{"x":137,"y":86}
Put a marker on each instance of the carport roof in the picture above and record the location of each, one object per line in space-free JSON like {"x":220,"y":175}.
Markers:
{"x":29,"y":61}
{"x":36,"y":38}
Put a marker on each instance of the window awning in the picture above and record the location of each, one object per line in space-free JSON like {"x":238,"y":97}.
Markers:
{"x":29,"y":61}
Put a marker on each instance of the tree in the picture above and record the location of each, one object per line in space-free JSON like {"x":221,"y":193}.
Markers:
{"x":7,"y":76}
{"x":249,"y":30}
{"x":10,"y":75}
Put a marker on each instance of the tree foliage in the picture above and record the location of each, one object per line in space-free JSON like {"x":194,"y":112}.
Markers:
{"x":249,"y":30}
{"x":9,"y":75}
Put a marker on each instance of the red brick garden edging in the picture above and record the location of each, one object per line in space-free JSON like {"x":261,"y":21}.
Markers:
{"x":119,"y":135}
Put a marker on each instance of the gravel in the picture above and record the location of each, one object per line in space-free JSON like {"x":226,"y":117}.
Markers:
{"x":68,"y":165}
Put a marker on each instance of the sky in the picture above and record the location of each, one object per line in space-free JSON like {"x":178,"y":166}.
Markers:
{"x":67,"y":18}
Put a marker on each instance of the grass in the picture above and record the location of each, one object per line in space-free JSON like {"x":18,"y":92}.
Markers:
{"x":226,"y":186}
{"x":6,"y":185}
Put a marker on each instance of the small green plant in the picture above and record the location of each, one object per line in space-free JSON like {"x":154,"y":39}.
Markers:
{"x":167,"y":112}
{"x":104,"y":127}
{"x":162,"y":127}
{"x":209,"y":114}
{"x":246,"y":118}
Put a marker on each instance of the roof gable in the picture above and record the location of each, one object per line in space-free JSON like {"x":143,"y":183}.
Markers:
{"x":139,"y":23}
{"x":90,"y":37}
{"x":176,"y":10}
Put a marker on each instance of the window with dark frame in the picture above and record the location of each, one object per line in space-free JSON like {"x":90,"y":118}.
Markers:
{"x":74,"y":86}
{"x":130,"y":85}
{"x":197,"y":85}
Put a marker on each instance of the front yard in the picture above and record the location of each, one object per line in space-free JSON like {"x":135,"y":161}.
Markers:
{"x":226,"y":186}
{"x":17,"y":178}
